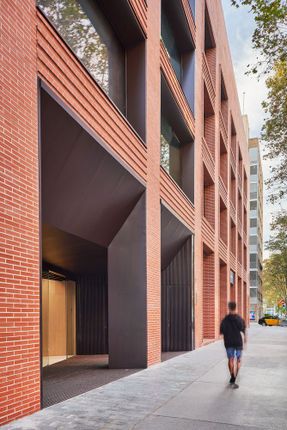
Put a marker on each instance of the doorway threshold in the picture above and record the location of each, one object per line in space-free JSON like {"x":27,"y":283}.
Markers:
{"x":77,"y":375}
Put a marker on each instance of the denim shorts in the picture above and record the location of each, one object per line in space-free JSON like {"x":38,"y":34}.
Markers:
{"x":233,"y":352}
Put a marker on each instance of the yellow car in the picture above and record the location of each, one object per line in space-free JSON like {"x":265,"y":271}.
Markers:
{"x":269,"y":320}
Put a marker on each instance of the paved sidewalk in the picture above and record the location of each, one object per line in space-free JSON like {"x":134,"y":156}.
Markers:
{"x":189,"y":392}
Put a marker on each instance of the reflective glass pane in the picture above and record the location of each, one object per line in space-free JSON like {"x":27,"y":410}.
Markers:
{"x":87,"y":32}
{"x":169,"y":39}
{"x":170,"y":151}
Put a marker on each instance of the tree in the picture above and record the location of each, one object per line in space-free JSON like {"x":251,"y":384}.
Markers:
{"x":270,"y":41}
{"x":274,"y":131}
{"x":275,"y":279}
{"x":278,"y":238}
{"x":275,"y":268}
{"x":270,"y":35}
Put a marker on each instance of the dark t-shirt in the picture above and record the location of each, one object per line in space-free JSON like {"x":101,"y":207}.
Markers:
{"x":231,"y":327}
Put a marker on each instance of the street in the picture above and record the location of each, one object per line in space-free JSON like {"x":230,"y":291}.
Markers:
{"x":190,"y":391}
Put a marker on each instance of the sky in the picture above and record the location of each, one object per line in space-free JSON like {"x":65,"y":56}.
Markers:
{"x":240,"y":25}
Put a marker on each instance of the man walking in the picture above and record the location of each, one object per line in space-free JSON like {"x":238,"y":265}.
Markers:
{"x":231,"y":327}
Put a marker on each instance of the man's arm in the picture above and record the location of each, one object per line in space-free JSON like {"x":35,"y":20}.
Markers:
{"x":244,"y":330}
{"x":222,"y":327}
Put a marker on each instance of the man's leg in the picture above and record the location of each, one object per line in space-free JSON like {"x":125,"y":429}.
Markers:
{"x":231,"y":364}
{"x":238,"y":362}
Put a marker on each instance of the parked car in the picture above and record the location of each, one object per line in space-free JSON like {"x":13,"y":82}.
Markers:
{"x":269,"y":320}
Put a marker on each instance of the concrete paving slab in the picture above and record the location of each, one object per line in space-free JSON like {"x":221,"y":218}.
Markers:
{"x":249,"y":406}
{"x":167,"y":423}
{"x":187,"y":392}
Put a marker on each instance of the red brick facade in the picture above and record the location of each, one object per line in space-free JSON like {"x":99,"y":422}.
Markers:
{"x":19,"y":213}
{"x":30,"y":49}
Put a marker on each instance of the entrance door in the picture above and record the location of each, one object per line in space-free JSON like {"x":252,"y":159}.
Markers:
{"x":58,"y":320}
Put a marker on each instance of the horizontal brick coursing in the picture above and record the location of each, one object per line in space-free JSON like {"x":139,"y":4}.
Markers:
{"x":19,"y":213}
{"x":31,"y":48}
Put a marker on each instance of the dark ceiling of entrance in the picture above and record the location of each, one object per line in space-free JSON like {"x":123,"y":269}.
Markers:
{"x":173,"y":235}
{"x":71,"y":253}
{"x":85,"y":191}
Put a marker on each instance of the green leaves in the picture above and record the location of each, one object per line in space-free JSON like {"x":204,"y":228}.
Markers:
{"x":270,"y":41}
{"x":270,"y":36}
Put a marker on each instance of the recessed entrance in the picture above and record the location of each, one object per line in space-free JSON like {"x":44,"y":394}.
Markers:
{"x":94,"y":253}
{"x":176,"y":284}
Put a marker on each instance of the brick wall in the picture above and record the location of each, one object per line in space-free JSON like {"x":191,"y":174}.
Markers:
{"x":208,"y":296}
{"x":209,"y":204}
{"x":224,"y":168}
{"x":239,"y":297}
{"x":211,"y":61}
{"x":223,"y":225}
{"x":19,"y":229}
{"x":223,"y":290}
{"x":209,"y":133}
{"x":153,"y":186}
{"x":19,"y":213}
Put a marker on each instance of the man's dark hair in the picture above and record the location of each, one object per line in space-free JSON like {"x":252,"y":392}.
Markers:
{"x":232,"y":306}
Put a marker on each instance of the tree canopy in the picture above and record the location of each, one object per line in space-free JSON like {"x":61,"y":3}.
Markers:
{"x":270,"y":35}
{"x":275,"y":268}
{"x":270,"y":42}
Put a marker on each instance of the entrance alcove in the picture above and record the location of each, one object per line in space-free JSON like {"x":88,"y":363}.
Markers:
{"x":93,"y":246}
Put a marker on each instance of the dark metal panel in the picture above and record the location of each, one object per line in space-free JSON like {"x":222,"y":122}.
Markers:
{"x":136,"y":88}
{"x":122,"y":18}
{"x":71,"y":253}
{"x":173,"y":114}
{"x":177,"y":302}
{"x":173,"y":236}
{"x":177,"y":18}
{"x":127,"y":293}
{"x":77,"y":174}
{"x":92,"y":315}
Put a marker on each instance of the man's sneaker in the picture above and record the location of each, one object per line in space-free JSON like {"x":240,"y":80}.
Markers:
{"x":232,"y":379}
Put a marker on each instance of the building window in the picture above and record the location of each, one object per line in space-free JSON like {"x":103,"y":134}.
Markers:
{"x":87,"y":32}
{"x":253,"y":276}
{"x":253,"y":261}
{"x":253,"y":222}
{"x":177,"y":144}
{"x":209,"y":46}
{"x":111,"y":49}
{"x":253,"y":240}
{"x":253,"y":170}
{"x":170,"y":151}
{"x":253,"y":292}
{"x":253,"y":205}
{"x":179,"y":45}
{"x":170,"y":41}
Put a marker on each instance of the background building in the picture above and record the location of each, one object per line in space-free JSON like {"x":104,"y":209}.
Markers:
{"x":124,"y":185}
{"x":256,"y":228}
